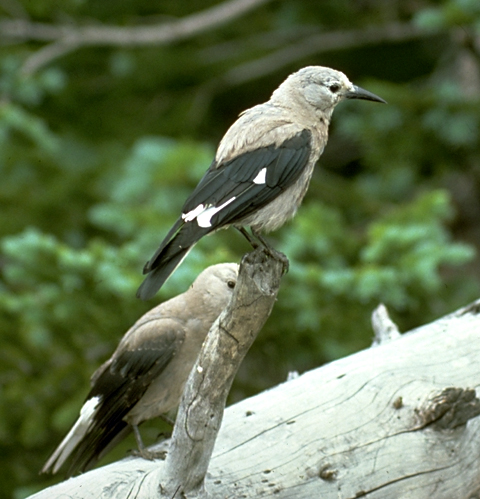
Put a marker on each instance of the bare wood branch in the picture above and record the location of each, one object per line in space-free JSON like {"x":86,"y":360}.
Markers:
{"x":68,"y":38}
{"x":24,"y":30}
{"x":45,"y":55}
{"x":320,"y":43}
{"x":73,"y":37}
{"x":399,"y":420}
{"x":203,"y":402}
{"x":201,"y":410}
{"x":290,"y":53}
{"x":384,"y":328}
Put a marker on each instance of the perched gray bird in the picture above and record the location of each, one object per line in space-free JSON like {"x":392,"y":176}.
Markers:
{"x":262,"y":167}
{"x":146,"y":375}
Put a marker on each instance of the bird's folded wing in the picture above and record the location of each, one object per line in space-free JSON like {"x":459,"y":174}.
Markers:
{"x":229,"y":192}
{"x":248,"y":181}
{"x":123,"y":382}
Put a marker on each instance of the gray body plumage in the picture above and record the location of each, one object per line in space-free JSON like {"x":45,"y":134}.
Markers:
{"x":274,"y":123}
{"x":262,"y":167}
{"x":145,"y":376}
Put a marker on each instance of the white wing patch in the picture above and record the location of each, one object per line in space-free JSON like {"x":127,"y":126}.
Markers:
{"x":204,"y":214}
{"x":191,"y":215}
{"x":204,"y":218}
{"x":261,"y":177}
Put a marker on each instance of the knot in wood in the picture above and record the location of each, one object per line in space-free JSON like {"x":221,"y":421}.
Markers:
{"x":451,"y":408}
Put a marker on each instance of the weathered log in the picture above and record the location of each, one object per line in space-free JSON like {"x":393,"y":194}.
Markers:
{"x":395,"y":421}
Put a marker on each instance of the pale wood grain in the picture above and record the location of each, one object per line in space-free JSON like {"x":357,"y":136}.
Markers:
{"x":351,"y":427}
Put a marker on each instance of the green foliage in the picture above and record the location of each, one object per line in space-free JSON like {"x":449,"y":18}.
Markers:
{"x":99,"y":150}
{"x":28,"y":90}
{"x":450,"y":13}
{"x":157,"y":169}
{"x":396,"y":259}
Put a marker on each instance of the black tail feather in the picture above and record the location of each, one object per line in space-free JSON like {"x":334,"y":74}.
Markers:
{"x":157,"y":276}
{"x":167,"y":241}
{"x":96,"y":445}
{"x":169,"y":256}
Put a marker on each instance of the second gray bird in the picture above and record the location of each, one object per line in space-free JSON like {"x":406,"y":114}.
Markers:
{"x":262,"y":167}
{"x":145,"y":376}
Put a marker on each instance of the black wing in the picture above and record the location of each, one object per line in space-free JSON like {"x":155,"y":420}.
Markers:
{"x":230,"y":181}
{"x":120,"y":386}
{"x":235,"y":178}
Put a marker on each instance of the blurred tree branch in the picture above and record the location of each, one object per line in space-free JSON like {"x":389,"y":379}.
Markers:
{"x":323,"y":42}
{"x":67,"y":38}
{"x":291,"y":52}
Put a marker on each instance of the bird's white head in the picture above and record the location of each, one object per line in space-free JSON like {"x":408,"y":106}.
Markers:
{"x":320,"y":88}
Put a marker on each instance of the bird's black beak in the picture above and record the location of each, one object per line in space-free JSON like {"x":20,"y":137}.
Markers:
{"x":360,"y":93}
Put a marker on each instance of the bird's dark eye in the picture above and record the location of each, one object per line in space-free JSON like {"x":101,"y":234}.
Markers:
{"x":334,"y":87}
{"x":231,"y":284}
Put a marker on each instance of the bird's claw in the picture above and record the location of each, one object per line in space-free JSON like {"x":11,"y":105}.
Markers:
{"x":263,"y":253}
{"x":278,"y":255}
{"x":149,"y":454}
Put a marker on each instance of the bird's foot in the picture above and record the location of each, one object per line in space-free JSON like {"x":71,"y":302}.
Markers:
{"x":263,"y":254}
{"x":143,"y":451}
{"x":149,"y":454}
{"x":272,"y":252}
{"x":282,"y":258}
{"x":279,"y":256}
{"x":248,"y":237}
{"x":259,"y":243}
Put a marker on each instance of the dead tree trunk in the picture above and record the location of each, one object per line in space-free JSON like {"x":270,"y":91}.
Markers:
{"x":398,"y":420}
